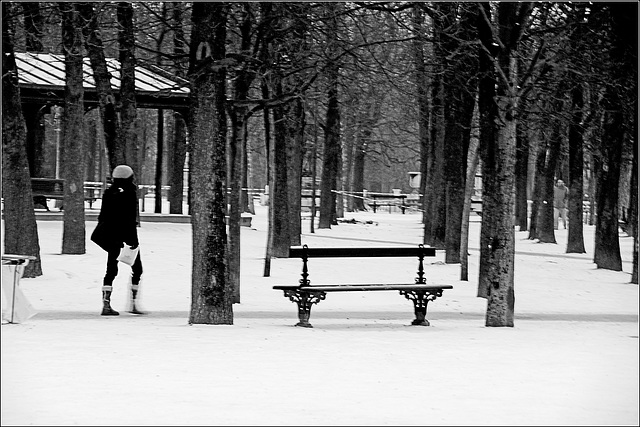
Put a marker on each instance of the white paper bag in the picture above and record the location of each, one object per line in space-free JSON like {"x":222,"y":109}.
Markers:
{"x":128,"y":255}
{"x":17,"y":307}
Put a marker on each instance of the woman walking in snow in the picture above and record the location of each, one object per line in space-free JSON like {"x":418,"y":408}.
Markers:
{"x":117,"y":226}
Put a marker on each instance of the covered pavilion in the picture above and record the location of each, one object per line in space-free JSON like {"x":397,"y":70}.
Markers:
{"x":42,"y":86}
{"x":42,"y":81}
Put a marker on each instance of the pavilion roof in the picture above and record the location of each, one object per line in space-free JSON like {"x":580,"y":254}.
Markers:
{"x":42,"y":79}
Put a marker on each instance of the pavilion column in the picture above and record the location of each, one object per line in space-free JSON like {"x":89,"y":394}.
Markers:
{"x":34,"y":120}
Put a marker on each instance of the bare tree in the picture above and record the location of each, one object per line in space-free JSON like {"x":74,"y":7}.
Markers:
{"x":460,"y":83}
{"x":34,"y":113}
{"x":575,"y":239}
{"x":33,"y":23}
{"x":238,"y":115}
{"x":20,"y":229}
{"x":423,"y":96}
{"x":73,"y":146}
{"x":102,"y":78}
{"x":499,"y":43}
{"x":545,"y":223}
{"x":332,"y":151}
{"x":435,"y":207}
{"x":128,"y":112}
{"x":212,"y":294}
{"x":178,"y":147}
{"x":538,"y":188}
{"x":623,"y":54}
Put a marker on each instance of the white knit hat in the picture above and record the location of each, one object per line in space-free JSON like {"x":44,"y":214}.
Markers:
{"x":122,"y":171}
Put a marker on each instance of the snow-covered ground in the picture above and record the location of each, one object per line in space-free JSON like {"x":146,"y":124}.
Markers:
{"x":571,"y":359}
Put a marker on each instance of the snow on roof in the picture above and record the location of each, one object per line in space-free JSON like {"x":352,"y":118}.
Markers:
{"x":47,"y":69}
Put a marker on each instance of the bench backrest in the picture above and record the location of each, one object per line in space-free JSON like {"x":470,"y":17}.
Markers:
{"x":305,"y":251}
{"x":47,"y":186}
{"x":55,"y":187}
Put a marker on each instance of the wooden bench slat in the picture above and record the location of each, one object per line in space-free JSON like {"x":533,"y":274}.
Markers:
{"x":349,"y":288}
{"x":299,"y":251}
{"x":363,"y":287}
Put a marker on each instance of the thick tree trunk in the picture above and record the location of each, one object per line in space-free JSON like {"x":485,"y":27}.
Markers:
{"x":331,"y":159}
{"x":487,"y":113}
{"x":538,"y":188}
{"x":607,"y":244}
{"x":435,"y":191}
{"x":454,"y":155}
{"x":621,"y":90}
{"x":501,"y":297}
{"x":496,"y":275}
{"x":545,"y":226}
{"x":294,"y":119}
{"x":545,"y":223}
{"x":211,"y":295}
{"x":279,"y":193}
{"x":575,"y":239}
{"x":73,"y":145}
{"x":236,"y":146}
{"x":332,"y":150}
{"x":458,"y":131}
{"x":20,"y":230}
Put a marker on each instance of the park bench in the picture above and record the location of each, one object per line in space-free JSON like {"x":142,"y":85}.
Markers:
{"x":305,"y":295}
{"x":93,"y":191}
{"x":43,"y":189}
{"x":390,"y":200}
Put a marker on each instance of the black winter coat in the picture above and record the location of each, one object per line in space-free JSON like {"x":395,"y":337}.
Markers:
{"x":117,"y":221}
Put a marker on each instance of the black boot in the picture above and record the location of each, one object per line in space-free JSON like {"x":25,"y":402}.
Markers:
{"x":106,"y":302}
{"x":134,"y":304}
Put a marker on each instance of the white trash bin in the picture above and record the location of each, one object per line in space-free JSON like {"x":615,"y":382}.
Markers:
{"x":16,"y":308}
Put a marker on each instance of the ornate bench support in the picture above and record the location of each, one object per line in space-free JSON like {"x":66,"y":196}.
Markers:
{"x":304,"y":300}
{"x":420,"y":300}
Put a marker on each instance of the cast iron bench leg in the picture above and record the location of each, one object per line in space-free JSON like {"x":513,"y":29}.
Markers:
{"x":304,"y":300}
{"x":420,"y":300}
